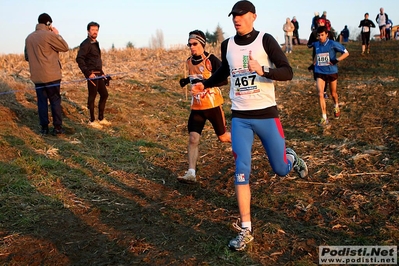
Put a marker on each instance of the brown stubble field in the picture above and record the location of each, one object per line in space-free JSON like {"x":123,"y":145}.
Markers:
{"x":110,"y":197}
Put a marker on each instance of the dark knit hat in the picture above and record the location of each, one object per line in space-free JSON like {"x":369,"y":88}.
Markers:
{"x":45,"y":19}
{"x":242,"y":7}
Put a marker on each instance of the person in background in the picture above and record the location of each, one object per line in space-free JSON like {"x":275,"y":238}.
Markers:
{"x":314,"y":21}
{"x":382,"y":19}
{"x":42,"y":49}
{"x":295,"y":39}
{"x":345,"y":34}
{"x":288,"y":29}
{"x":396,"y":35}
{"x":327,"y":22}
{"x":326,"y":70}
{"x":313,"y":35}
{"x":332,"y":34}
{"x":366,"y":24}
{"x":253,"y":60}
{"x":388,"y":29}
{"x":206,"y":106}
{"x":90,"y":63}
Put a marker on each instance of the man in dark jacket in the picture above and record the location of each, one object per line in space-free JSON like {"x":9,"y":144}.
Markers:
{"x":90,"y":63}
{"x":296,"y":33}
{"x":42,"y":49}
{"x":345,"y":34}
{"x":314,"y":21}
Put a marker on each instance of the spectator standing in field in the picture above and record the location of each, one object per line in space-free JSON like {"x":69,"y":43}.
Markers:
{"x":388,"y":29}
{"x":90,"y":63}
{"x":396,"y":36}
{"x":382,"y":19}
{"x":327,"y":21}
{"x":253,"y":60}
{"x":42,"y":49}
{"x":204,"y":106}
{"x":345,"y":34}
{"x":314,"y":21}
{"x":288,"y":29}
{"x":296,"y":32}
{"x":366,"y":24}
{"x":326,"y":70}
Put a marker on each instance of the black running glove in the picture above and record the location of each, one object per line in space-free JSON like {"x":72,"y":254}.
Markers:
{"x":184,"y":82}
{"x":334,"y":61}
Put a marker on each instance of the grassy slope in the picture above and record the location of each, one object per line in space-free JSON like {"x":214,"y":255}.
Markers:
{"x":110,"y":197}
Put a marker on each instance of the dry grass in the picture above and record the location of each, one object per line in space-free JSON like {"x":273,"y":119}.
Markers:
{"x":110,"y":197}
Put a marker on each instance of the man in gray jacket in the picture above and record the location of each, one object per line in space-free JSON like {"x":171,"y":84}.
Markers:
{"x":41,"y":51}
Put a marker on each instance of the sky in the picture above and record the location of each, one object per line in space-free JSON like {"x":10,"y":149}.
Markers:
{"x":138,"y":21}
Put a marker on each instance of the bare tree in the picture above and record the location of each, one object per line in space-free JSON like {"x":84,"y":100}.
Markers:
{"x":157,"y":41}
{"x":355,"y":34}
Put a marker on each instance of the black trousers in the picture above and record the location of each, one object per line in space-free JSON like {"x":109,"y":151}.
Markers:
{"x":365,"y":38}
{"x":296,"y":37}
{"x":98,"y":86}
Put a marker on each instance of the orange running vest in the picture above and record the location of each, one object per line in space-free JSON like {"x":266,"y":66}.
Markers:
{"x":209,"y":98}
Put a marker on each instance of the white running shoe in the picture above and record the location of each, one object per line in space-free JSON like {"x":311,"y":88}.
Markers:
{"x":299,"y":165}
{"x":187,"y":178}
{"x":244,"y":237}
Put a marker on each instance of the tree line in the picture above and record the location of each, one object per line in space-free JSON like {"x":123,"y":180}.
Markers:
{"x":157,"y":41}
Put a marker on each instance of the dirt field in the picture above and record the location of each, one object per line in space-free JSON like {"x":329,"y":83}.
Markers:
{"x":110,"y":196}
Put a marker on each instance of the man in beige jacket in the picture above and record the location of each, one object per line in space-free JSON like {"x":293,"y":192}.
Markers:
{"x":41,"y":51}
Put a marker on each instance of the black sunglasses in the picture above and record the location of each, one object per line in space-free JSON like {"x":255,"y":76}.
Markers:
{"x":192,"y":44}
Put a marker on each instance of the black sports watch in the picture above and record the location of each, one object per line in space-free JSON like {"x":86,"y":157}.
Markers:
{"x":265,"y":69}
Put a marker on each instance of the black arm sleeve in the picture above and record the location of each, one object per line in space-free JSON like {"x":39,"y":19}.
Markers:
{"x":311,"y":40}
{"x":282,"y":70}
{"x":81,"y":59}
{"x":222,"y":72}
{"x":215,"y":62}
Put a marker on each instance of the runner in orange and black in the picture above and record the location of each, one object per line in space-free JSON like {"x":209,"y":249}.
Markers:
{"x":204,"y":106}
